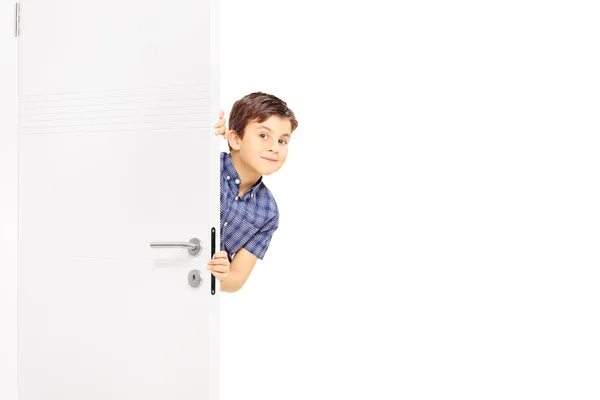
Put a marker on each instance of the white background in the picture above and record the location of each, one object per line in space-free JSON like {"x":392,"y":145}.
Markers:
{"x":440,"y":224}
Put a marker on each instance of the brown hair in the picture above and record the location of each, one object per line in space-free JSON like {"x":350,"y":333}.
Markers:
{"x":258,"y":106}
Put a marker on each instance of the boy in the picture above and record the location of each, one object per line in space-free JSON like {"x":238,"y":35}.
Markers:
{"x":260,"y":128}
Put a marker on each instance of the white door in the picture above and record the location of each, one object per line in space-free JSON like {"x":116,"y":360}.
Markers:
{"x":116,"y":151}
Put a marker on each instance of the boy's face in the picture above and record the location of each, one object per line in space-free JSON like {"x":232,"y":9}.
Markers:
{"x":265,"y":144}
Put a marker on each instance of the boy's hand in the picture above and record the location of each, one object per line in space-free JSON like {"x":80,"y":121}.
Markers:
{"x":219,"y":265}
{"x":220,"y":128}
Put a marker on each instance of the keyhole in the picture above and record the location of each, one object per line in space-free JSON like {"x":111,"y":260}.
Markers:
{"x":194,"y":278}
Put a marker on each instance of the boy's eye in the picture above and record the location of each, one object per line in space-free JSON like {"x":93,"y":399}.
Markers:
{"x":283,"y":141}
{"x":263,"y":135}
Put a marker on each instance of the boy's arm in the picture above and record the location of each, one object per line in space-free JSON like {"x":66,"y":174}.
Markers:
{"x":241,"y":266}
{"x":244,"y":260}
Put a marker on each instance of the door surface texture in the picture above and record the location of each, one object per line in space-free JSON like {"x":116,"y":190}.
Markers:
{"x":116,"y":100}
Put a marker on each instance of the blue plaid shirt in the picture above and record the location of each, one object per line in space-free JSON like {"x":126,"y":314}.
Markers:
{"x":248,"y":221}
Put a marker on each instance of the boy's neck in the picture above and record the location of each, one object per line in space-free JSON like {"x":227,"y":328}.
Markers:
{"x":248,"y":176}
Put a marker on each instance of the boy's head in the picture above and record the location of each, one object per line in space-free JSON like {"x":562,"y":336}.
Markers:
{"x":260,"y":127}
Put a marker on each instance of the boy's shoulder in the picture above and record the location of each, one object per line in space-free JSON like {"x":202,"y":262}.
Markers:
{"x":265,"y":202}
{"x":268,"y":196}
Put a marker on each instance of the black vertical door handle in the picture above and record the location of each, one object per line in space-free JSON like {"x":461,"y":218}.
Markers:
{"x":213,"y":281}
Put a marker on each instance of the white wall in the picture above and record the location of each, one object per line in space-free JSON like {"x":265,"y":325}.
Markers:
{"x":439,"y":233}
{"x":8,"y":204}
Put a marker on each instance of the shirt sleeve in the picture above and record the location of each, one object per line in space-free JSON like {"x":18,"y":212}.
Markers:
{"x":259,"y":243}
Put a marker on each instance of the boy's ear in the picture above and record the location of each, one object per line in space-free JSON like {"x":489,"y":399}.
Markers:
{"x":234,"y":140}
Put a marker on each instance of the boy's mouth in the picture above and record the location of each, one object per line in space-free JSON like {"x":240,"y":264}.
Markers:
{"x":269,"y":159}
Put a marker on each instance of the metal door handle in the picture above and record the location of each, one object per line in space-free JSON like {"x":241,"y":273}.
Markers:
{"x":194,"y":246}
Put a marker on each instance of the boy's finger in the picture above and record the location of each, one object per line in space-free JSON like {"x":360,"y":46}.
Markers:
{"x":220,"y":255}
{"x":217,"y":268}
{"x":220,"y":277}
{"x":218,"y":261}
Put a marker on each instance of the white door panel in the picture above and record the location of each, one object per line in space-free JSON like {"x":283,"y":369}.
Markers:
{"x":114,"y":44}
{"x":8,"y":203}
{"x":116,"y":102}
{"x":123,"y":190}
